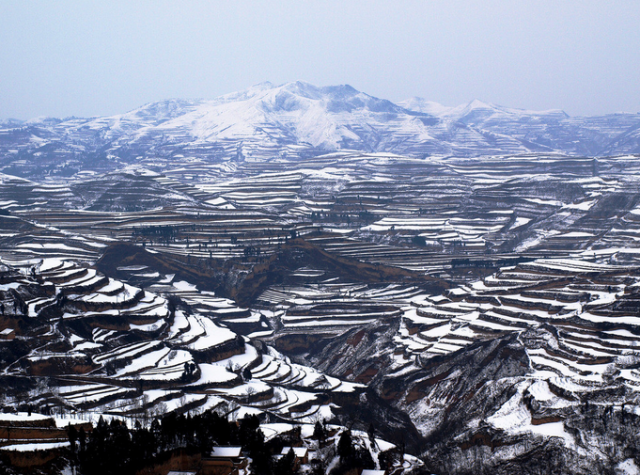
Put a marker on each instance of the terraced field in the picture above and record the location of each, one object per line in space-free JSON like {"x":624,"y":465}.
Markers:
{"x":107,"y":347}
{"x":455,"y":296}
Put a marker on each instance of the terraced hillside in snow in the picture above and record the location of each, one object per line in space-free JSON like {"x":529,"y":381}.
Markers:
{"x":485,"y":311}
{"x":108,"y":347}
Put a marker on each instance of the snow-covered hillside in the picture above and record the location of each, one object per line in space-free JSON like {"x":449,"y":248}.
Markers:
{"x":298,"y":120}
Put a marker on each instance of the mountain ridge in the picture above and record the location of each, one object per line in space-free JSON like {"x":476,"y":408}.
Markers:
{"x":298,"y":120}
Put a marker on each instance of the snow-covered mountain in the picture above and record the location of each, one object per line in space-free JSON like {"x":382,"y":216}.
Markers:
{"x":550,"y":130}
{"x":298,"y":120}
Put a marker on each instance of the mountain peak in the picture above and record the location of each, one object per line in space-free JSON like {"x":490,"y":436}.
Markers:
{"x":305,"y":89}
{"x":301,"y":88}
{"x":341,"y":89}
{"x":478,"y":104}
{"x":264,"y":85}
{"x":298,"y":118}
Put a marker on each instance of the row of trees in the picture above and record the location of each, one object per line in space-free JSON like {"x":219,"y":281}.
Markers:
{"x":114,"y":449}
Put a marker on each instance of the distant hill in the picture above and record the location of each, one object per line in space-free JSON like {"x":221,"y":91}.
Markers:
{"x":299,"y":120}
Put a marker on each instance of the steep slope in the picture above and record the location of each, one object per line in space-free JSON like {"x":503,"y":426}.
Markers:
{"x":91,"y":343}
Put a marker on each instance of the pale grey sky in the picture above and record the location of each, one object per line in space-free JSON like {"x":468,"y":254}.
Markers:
{"x":85,"y":58}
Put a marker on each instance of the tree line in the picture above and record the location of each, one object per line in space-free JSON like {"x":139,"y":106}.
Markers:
{"x":111,"y":448}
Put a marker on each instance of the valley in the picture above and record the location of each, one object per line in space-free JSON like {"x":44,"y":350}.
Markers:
{"x":481,"y":313}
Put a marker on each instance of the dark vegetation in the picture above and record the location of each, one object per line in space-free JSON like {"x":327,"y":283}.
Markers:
{"x":351,"y":456}
{"x":112,"y":448}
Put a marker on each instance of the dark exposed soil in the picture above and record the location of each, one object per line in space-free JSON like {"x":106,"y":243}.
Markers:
{"x":244,"y":280}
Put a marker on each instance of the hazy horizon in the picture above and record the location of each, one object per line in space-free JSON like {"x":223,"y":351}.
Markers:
{"x":71,"y":58}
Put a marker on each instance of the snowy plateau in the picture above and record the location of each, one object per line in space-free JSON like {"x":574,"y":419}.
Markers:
{"x":384,"y":288}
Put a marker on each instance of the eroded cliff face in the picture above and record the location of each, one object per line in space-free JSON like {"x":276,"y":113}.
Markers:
{"x":485,"y":409}
{"x":518,"y":439}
